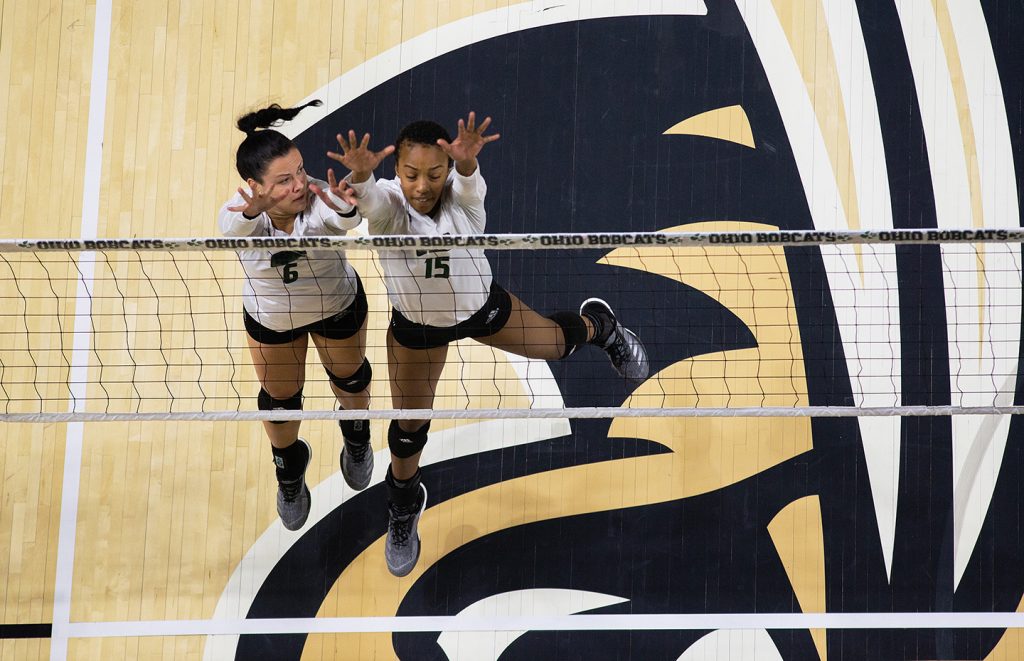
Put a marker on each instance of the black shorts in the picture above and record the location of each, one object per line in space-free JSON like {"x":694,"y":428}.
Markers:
{"x":486,"y":321}
{"x":341,"y":326}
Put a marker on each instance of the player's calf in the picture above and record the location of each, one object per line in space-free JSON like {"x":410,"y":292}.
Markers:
{"x":356,"y":456}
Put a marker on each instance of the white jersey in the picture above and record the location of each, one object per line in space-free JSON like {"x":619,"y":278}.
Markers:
{"x":293,"y":286}
{"x":438,"y":287}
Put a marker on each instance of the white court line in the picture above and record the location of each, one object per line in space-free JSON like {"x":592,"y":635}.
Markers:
{"x":653,"y":622}
{"x":450,"y":37}
{"x":83,"y":335}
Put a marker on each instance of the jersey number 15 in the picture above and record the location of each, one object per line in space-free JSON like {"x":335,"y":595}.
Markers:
{"x":437,"y":267}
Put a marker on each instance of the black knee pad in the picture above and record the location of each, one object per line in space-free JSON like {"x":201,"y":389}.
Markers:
{"x":267,"y":403}
{"x":574,"y":330}
{"x":354,"y":383}
{"x":405,"y":444}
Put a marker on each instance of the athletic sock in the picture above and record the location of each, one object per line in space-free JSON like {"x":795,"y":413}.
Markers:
{"x":603,"y":327}
{"x":403,"y":493}
{"x":290,"y":461}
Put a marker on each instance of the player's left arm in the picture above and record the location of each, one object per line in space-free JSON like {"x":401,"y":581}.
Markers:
{"x":468,"y":144}
{"x":468,"y":187}
{"x":340,"y":202}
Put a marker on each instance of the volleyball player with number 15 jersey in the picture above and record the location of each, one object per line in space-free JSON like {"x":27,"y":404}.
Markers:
{"x":439,"y":296}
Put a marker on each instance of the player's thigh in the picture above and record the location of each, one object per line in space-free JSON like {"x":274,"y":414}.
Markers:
{"x":528,"y":334}
{"x":342,"y":357}
{"x":414,"y":373}
{"x":281,"y":368}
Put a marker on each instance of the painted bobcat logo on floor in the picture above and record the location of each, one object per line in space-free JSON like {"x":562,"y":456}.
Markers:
{"x":738,"y":117}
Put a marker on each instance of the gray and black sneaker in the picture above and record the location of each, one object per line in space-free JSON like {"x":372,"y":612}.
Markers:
{"x":402,"y":548}
{"x":356,"y":454}
{"x":624,"y":348}
{"x":293,"y":496}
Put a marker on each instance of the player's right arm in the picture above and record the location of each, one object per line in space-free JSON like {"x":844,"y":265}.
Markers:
{"x":383,"y":208}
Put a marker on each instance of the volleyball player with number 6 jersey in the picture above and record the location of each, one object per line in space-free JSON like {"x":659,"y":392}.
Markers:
{"x":439,"y":296}
{"x":290,"y":296}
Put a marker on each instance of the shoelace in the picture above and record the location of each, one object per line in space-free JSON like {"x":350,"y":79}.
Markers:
{"x":357,"y":450}
{"x":400,"y":527}
{"x":291,"y":490}
{"x":619,"y":348}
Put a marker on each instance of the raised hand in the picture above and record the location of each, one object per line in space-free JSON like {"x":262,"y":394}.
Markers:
{"x":338,"y":193}
{"x":259,"y":200}
{"x":358,"y":157}
{"x":468,"y":143}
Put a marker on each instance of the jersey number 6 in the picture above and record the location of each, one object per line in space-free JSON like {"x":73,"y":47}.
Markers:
{"x":291,"y":274}
{"x":437,"y":267}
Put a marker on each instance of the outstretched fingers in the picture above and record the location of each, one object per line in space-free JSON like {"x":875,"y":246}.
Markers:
{"x":335,"y":156}
{"x":258,"y":201}
{"x":337,"y":195}
{"x":242,"y":207}
{"x":274,"y":199}
{"x":470,"y":138}
{"x":329,"y":198}
{"x":356,"y":154}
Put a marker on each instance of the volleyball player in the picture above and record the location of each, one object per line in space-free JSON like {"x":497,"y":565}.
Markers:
{"x":290,"y":296}
{"x":439,"y":296}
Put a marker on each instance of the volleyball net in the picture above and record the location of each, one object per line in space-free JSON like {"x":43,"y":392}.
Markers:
{"x":737,"y":323}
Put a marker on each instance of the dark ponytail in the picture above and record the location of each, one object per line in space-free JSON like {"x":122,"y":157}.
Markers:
{"x":263,"y":144}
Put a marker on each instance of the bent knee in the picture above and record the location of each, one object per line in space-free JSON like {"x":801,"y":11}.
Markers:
{"x":283,"y":389}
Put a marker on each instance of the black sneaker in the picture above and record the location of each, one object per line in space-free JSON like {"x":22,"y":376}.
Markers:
{"x":402,"y":548}
{"x":624,"y":348}
{"x":356,"y":455}
{"x":293,"y":499}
